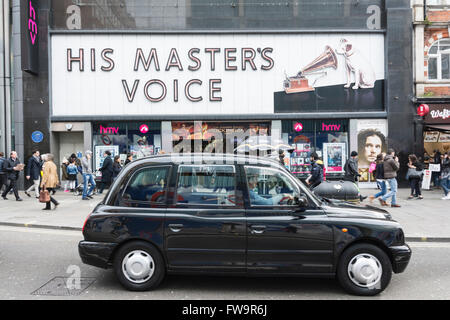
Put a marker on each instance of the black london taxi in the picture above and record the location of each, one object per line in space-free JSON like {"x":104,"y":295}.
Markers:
{"x":229,"y":214}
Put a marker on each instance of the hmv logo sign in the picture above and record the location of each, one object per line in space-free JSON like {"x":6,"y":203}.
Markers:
{"x":331,"y":127}
{"x":110,"y":130}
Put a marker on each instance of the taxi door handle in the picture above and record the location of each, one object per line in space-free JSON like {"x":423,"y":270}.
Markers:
{"x":175,"y":227}
{"x":257,"y":229}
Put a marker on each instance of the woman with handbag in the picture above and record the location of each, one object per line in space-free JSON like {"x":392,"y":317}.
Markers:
{"x":414,"y":175}
{"x":49,"y":182}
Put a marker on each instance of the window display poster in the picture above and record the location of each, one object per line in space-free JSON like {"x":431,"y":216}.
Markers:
{"x":99,"y":155}
{"x":371,"y":141}
{"x":334,"y":157}
{"x":431,"y":136}
{"x":139,"y":152}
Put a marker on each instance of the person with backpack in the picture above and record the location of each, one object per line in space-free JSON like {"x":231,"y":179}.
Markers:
{"x":316,"y":176}
{"x":72,"y":172}
{"x":379,"y":176}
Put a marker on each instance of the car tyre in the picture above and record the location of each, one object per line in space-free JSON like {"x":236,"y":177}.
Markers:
{"x":364,"y":270}
{"x":139,"y":266}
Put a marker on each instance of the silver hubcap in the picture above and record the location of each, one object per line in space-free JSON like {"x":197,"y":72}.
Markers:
{"x":365,"y":270}
{"x":138,"y":266}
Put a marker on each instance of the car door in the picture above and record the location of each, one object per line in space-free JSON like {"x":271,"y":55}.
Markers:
{"x":138,"y":207}
{"x":282,"y":237}
{"x":205,"y":227}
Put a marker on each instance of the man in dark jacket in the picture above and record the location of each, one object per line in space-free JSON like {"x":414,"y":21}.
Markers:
{"x":316,"y":177}
{"x":33,"y":172}
{"x":351,"y":168}
{"x":107,"y":171}
{"x":3,"y":178}
{"x":12,"y":168}
{"x":391,"y":166}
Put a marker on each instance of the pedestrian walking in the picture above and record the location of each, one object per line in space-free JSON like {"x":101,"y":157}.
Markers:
{"x":64,"y":175}
{"x":12,"y":166}
{"x":316,"y":176}
{"x":88,"y":177}
{"x":49,"y":179}
{"x":391,"y":166}
{"x":379,"y":176}
{"x":351,"y":168}
{"x":116,"y":167}
{"x":445,"y":177}
{"x":129,"y":158}
{"x":3,"y":178}
{"x":33,"y":173}
{"x":107,"y":171}
{"x":414,"y":176}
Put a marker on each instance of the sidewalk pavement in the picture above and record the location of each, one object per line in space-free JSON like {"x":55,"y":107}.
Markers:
{"x":422,"y":220}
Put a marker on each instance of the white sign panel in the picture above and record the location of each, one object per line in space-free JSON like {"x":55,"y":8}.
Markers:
{"x":151,"y":74}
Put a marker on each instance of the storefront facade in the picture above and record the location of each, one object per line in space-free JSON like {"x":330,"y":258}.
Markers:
{"x":129,"y":82}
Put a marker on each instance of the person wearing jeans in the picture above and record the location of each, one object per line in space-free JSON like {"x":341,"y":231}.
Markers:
{"x":445,"y":179}
{"x":88,"y":176}
{"x":379,"y":176}
{"x":391,"y":166}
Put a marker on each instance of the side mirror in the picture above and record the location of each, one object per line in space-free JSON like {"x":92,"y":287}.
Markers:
{"x":301,"y":201}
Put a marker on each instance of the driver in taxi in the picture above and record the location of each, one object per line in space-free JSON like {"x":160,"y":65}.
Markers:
{"x":256,"y":199}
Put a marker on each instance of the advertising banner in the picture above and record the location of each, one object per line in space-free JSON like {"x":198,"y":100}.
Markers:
{"x":426,"y":180}
{"x":371,"y":141}
{"x":186,"y":74}
{"x":334,"y":155}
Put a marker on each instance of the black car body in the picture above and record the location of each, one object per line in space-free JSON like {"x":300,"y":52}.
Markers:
{"x":164,"y":214}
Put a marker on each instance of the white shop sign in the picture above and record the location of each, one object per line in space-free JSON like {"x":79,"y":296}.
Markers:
{"x":151,"y":74}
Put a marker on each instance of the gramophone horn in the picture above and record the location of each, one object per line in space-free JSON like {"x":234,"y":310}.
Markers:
{"x":325,"y":60}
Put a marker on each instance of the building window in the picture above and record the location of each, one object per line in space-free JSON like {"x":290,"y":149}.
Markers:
{"x":439,"y":60}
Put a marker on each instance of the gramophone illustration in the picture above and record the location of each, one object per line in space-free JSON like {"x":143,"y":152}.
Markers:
{"x":299,"y":83}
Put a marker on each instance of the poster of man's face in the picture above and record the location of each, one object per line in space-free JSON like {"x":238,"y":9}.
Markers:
{"x":371,"y":143}
{"x":371,"y":136}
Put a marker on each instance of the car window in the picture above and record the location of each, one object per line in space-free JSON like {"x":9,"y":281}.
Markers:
{"x":270,"y":187}
{"x":146,"y":186}
{"x":206,"y":185}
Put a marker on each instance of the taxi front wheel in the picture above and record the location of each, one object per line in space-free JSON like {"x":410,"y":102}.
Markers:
{"x":139,"y":266}
{"x":364,"y":270}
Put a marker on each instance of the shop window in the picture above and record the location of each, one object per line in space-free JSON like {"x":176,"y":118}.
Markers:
{"x":439,"y":60}
{"x":214,"y":137}
{"x":327,"y":138}
{"x":146,"y":188}
{"x":206,"y":185}
{"x":141,"y":139}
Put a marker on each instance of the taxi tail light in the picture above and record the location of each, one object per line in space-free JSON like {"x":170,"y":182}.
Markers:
{"x":85,"y":221}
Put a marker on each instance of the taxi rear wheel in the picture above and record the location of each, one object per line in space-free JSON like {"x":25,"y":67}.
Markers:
{"x":139,"y":266}
{"x":364,"y":269}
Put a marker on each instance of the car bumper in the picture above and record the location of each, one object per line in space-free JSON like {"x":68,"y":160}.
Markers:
{"x":401,"y":256}
{"x":97,"y":254}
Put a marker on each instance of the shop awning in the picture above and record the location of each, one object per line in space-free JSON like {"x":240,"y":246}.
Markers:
{"x":439,"y":126}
